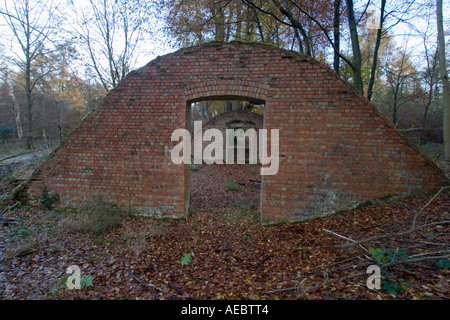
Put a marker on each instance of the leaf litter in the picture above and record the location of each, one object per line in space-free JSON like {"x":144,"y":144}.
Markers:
{"x":221,"y":251}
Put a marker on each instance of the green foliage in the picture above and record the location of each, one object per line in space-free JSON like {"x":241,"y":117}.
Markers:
{"x":377,"y":253}
{"x":14,"y":207}
{"x":21,"y":232}
{"x":186,"y":259}
{"x":47,"y":200}
{"x":444,"y":264}
{"x":243,"y":205}
{"x":7,"y":132}
{"x":430,"y":235}
{"x":230,"y":186}
{"x":394,"y":288}
{"x":86,"y":281}
{"x":387,"y":255}
{"x":196,"y":167}
{"x":195,"y":226}
{"x":4,"y":201}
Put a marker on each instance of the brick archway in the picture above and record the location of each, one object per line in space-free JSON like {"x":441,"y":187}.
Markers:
{"x":338,"y":151}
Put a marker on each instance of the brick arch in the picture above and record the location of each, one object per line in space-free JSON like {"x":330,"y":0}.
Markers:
{"x":337,"y":150}
{"x":227,"y":89}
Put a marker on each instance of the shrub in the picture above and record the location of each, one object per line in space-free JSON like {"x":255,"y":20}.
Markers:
{"x":48,"y":200}
{"x":96,"y":217}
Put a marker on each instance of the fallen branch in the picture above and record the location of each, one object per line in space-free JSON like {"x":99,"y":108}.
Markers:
{"x":136,"y":278}
{"x":169,"y":283}
{"x":281,"y":290}
{"x":287,"y":289}
{"x":413,"y":225}
{"x":388,"y":235}
{"x":345,"y":238}
{"x":411,"y":230}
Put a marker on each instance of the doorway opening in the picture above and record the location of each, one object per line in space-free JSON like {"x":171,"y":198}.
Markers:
{"x":226,"y":187}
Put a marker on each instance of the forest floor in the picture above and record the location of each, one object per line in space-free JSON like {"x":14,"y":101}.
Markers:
{"x":221,"y":250}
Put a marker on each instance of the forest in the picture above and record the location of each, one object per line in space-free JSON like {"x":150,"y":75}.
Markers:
{"x":59,"y":59}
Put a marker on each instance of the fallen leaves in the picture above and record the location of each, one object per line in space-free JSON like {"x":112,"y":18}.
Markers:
{"x":224,"y":253}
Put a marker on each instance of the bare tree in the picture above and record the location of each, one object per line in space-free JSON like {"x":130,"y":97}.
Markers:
{"x":400,"y":77}
{"x":31,"y":24}
{"x":110,"y":31}
{"x":429,"y":78}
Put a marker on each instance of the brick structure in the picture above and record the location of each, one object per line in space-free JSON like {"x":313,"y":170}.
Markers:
{"x":336,"y":150}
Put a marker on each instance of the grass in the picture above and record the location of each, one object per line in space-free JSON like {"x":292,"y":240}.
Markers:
{"x":231,"y":186}
{"x":241,"y":211}
{"x":96,"y":217}
{"x":243,"y":205}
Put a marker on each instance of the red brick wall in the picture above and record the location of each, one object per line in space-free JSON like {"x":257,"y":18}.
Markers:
{"x":338,"y":151}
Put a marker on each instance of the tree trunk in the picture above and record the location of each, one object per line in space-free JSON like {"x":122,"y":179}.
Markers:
{"x":356,"y":49}
{"x":16,"y":108}
{"x":258,"y":24}
{"x":29,"y":105}
{"x":227,"y":106}
{"x":444,"y":78}
{"x":238,"y":35}
{"x":432,"y":87}
{"x":375,"y":54}
{"x":337,"y":34}
{"x":219,"y":23}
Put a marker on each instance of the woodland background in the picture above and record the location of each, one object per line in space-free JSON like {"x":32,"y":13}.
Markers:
{"x":59,"y":58}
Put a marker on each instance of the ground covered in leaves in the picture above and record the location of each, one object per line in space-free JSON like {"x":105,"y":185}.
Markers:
{"x":221,"y":251}
{"x":225,"y":254}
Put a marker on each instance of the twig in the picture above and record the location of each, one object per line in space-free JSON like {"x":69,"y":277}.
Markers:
{"x":9,"y":219}
{"x":288,"y":289}
{"x":415,"y":260}
{"x":348,"y":239}
{"x":383,"y":236}
{"x":354,"y":275}
{"x":175,"y":288}
{"x":413,"y":225}
{"x":411,"y":230}
{"x":281,"y":290}
{"x":422,"y":242}
{"x":136,"y":278}
{"x":169,"y":283}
